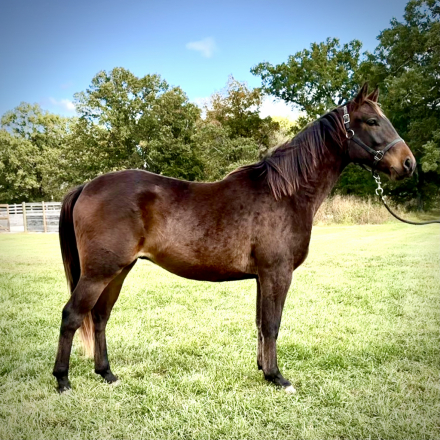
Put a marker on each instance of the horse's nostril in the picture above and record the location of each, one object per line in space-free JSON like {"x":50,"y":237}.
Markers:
{"x":407,"y":164}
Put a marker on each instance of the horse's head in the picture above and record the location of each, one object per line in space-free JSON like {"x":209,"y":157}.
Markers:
{"x":373,"y":141}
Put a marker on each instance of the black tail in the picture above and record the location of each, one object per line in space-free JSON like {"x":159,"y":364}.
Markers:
{"x":72,"y":268}
{"x":69,"y":250}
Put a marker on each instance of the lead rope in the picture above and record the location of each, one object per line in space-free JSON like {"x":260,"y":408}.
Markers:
{"x":379,"y":192}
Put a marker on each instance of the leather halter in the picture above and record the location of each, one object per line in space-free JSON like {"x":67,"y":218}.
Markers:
{"x":378,"y":155}
{"x":351,"y":136}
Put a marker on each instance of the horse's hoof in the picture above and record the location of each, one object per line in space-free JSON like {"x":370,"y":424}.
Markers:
{"x":290,"y":390}
{"x":64,"y":389}
{"x":63,"y":385}
{"x":107,"y":375}
{"x":111,"y":378}
{"x":115,"y":383}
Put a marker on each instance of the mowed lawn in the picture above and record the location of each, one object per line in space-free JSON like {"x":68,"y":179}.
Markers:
{"x":359,"y":340}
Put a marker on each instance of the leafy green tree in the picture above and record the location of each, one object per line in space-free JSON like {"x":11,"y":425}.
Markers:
{"x":131,"y":122}
{"x":237,"y":108}
{"x":406,"y":66}
{"x":233,"y":133}
{"x":32,"y":145}
{"x":315,"y":80}
{"x":18,"y":179}
{"x":220,"y":152}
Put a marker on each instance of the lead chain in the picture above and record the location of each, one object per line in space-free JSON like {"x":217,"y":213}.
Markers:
{"x":379,"y":189}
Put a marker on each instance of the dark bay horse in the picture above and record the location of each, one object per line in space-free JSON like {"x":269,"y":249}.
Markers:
{"x":255,"y":223}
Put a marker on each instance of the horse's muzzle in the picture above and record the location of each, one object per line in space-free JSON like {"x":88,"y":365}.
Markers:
{"x":409,"y":165}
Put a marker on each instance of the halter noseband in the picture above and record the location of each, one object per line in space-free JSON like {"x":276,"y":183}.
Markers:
{"x":351,"y":136}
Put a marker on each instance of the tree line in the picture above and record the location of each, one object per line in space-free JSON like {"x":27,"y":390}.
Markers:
{"x":125,"y":121}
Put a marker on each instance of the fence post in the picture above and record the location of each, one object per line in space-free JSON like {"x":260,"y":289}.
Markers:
{"x":44,"y":217}
{"x":24,"y":216}
{"x":6,"y":217}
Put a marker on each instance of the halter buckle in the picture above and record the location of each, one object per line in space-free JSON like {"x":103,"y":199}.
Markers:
{"x":346,"y":117}
{"x":378,"y":156}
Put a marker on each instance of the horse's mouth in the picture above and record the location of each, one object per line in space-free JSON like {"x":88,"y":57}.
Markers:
{"x":395,"y":175}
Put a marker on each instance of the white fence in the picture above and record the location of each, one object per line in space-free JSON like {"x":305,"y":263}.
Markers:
{"x":30,"y":217}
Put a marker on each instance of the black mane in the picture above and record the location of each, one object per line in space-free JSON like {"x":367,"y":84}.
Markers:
{"x":290,"y":165}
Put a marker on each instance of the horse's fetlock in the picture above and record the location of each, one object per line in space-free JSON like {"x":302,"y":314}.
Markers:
{"x":60,"y":373}
{"x":99,"y":326}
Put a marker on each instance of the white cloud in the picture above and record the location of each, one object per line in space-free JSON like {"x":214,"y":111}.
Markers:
{"x":275,"y":107}
{"x":206,"y":47}
{"x":65,"y":104}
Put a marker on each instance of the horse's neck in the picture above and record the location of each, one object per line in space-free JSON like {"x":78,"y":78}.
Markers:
{"x":324,"y":177}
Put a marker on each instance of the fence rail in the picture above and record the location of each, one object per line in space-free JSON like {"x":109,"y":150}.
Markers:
{"x":33,"y":217}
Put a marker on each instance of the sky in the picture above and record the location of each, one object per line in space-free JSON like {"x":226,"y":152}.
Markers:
{"x":51,"y":49}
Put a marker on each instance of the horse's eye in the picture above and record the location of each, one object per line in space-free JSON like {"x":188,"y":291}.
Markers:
{"x":372,"y":122}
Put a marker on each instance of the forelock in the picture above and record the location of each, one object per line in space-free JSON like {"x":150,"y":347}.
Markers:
{"x":375,"y":106}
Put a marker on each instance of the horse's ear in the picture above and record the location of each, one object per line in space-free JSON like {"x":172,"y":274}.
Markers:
{"x":362,"y":95}
{"x":374,"y":96}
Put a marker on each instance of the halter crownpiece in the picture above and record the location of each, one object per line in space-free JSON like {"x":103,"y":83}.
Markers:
{"x":351,"y":136}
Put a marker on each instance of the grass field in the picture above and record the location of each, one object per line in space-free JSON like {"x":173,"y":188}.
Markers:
{"x":359,"y":340}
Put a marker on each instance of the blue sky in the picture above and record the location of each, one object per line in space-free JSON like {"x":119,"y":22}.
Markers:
{"x":51,"y":49}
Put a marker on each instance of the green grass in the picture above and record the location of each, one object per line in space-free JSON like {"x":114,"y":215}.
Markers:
{"x":359,"y":341}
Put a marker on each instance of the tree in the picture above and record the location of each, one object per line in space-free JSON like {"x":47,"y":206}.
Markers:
{"x":131,"y":122}
{"x":406,"y":66}
{"x":315,"y":80}
{"x":32,"y":143}
{"x":237,"y":108}
{"x":233,"y":132}
{"x":18,"y":178}
{"x":220,"y":152}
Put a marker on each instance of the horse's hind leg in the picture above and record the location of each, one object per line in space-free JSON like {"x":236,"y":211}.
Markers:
{"x":82,"y":300}
{"x":100,"y":314}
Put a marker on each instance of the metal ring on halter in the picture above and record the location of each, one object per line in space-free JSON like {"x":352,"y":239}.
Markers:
{"x":347,"y":135}
{"x":379,"y":192}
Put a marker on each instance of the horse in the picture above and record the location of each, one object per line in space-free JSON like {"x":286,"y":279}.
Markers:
{"x":256,"y":223}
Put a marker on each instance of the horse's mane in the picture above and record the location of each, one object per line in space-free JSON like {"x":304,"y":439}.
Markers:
{"x":290,"y":165}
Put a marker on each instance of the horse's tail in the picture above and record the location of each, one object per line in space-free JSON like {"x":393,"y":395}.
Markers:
{"x":69,"y":252}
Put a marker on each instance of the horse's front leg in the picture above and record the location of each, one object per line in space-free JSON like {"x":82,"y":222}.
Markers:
{"x":274,"y":285}
{"x":258,"y":323}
